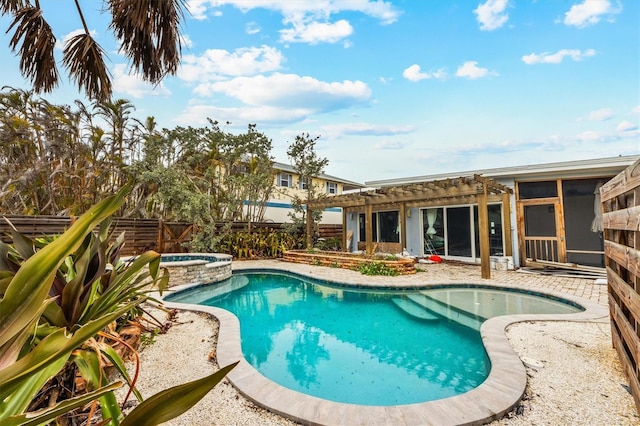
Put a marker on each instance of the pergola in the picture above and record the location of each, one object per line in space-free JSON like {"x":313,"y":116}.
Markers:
{"x":436,"y":193}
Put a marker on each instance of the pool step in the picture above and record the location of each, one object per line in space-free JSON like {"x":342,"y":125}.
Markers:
{"x":415,"y":310}
{"x":459,"y":316}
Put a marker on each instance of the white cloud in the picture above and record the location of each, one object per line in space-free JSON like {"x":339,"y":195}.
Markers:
{"x":556,"y":58}
{"x":382,"y":10}
{"x":306,"y":21}
{"x":215,"y":63}
{"x":589,"y":12}
{"x":197,"y":9}
{"x":636,"y":110}
{"x":413,"y":73}
{"x":602,"y":114}
{"x":317,"y":32}
{"x":197,"y":114}
{"x":470,"y":69}
{"x":252,"y":28}
{"x":626,"y":126}
{"x":290,"y":91}
{"x":491,"y":14}
{"x":133,"y":85}
{"x":391,"y":145}
{"x":366,"y":129}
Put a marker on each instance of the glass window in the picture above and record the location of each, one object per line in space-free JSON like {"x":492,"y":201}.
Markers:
{"x":389,"y":225}
{"x":284,"y":179}
{"x":496,"y":245}
{"x":433,"y":230}
{"x":362,"y":232}
{"x":459,"y":231}
{"x":332,"y":188}
{"x":529,"y":190}
{"x":302,"y":184}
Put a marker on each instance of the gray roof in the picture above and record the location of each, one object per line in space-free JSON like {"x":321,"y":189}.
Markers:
{"x":289,"y":168}
{"x":578,"y":168}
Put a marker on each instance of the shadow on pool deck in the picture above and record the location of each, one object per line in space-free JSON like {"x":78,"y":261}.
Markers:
{"x":500,"y":392}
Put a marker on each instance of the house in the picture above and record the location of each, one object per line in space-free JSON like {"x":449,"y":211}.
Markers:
{"x":288,"y":184}
{"x":534,"y":214}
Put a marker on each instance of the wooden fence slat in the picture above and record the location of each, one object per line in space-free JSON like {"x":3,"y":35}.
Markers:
{"x":621,"y":230}
{"x":625,"y":181}
{"x":623,"y":220}
{"x":140,"y":234}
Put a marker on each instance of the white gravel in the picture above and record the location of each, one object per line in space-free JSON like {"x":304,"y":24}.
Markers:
{"x":580,"y":381}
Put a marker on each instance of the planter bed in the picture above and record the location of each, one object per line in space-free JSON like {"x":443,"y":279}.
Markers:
{"x":343,"y":260}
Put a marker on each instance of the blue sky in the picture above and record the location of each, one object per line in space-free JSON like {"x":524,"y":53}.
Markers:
{"x":394,"y":88}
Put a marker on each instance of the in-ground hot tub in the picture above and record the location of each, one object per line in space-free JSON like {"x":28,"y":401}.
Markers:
{"x":196,"y":268}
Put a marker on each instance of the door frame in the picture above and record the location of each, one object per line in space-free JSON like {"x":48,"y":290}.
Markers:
{"x":542,"y":245}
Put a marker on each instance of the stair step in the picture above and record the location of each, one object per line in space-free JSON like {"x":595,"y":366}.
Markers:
{"x":414,"y":309}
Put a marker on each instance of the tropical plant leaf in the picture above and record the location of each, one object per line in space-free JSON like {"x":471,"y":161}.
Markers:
{"x":149,"y":33}
{"x":37,"y":60}
{"x":11,"y":5}
{"x":30,"y":286}
{"x":174,"y":401}
{"x":10,"y":351}
{"x":116,"y":360}
{"x":55,"y":346}
{"x":17,"y":401}
{"x":42,"y":417}
{"x":83,"y":56}
{"x":91,"y":369}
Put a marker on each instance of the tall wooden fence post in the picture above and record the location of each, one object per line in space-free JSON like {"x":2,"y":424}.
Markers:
{"x":160,"y":236}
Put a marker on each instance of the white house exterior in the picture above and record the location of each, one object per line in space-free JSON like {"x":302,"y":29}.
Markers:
{"x":288,"y":184}
{"x":553,"y":215}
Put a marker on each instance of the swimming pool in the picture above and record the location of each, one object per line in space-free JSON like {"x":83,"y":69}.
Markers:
{"x":369,"y":347}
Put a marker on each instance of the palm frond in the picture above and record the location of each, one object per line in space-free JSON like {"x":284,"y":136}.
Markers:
{"x":12,"y":6}
{"x":83,"y":56}
{"x":149,"y":34}
{"x":37,"y":61}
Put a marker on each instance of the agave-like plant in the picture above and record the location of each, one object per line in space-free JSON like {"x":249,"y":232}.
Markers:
{"x":59,"y":300}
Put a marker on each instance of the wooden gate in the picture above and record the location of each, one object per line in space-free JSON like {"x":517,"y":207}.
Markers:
{"x":172,"y":236}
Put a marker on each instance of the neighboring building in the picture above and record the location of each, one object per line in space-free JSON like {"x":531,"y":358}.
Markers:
{"x":287,"y":184}
{"x":554,"y":215}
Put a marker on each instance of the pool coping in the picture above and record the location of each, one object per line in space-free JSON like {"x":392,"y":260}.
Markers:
{"x":498,"y":394}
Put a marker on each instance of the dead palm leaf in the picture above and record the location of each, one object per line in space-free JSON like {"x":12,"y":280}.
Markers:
{"x":37,"y":61}
{"x":7,"y":6}
{"x":149,"y":34}
{"x":83,"y":56}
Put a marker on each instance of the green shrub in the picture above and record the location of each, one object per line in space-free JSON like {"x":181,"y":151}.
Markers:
{"x":61,"y":300}
{"x":376,"y":268}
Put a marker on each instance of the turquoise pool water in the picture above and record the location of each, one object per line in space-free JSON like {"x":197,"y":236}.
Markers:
{"x":362,"y":346}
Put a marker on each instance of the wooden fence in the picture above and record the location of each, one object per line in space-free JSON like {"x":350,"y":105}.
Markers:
{"x":621,"y":229}
{"x":141,"y":234}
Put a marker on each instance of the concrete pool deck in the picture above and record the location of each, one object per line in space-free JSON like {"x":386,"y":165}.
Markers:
{"x":498,"y":394}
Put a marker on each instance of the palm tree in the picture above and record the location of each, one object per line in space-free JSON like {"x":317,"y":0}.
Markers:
{"x":147,"y":29}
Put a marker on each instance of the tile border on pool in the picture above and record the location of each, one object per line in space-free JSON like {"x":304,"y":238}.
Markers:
{"x":499,"y":393}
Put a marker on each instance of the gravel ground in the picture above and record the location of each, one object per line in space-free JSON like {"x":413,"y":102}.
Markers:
{"x":578,"y":379}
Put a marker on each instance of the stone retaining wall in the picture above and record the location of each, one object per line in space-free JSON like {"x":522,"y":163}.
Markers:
{"x":197,"y":272}
{"x":346,"y":260}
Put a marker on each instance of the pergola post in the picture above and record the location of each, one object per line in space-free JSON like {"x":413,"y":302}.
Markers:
{"x":483,"y":224}
{"x":344,"y":230}
{"x":368,"y":220}
{"x":506,"y":211}
{"x":403,"y":227}
{"x":309,"y":218}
